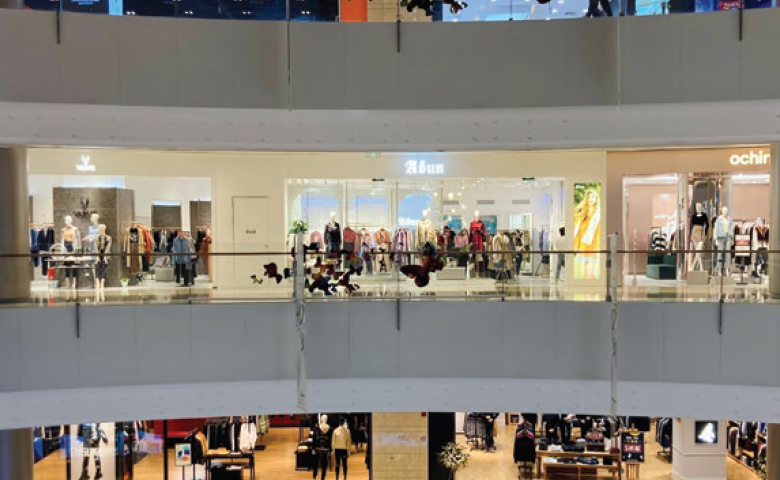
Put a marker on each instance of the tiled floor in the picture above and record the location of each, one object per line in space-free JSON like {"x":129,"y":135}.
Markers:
{"x":523,"y":289}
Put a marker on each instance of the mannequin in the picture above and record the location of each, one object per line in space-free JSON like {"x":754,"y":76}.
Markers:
{"x":560,"y":244}
{"x":333,"y":234}
{"x":92,"y":231}
{"x":102,"y":244}
{"x":425,"y":231}
{"x":71,"y":239}
{"x":724,"y":237}
{"x":91,"y":434}
{"x":342,"y":443}
{"x":323,"y":437}
{"x":700,"y":226}
{"x":760,"y":241}
{"x":478,"y":237}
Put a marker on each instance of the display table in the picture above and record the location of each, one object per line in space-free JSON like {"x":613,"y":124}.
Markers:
{"x":616,"y":468}
{"x":86,"y":263}
{"x":248,"y":457}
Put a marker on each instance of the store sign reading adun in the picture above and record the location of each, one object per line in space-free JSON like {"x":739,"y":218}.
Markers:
{"x":421,"y":167}
{"x":752,"y":158}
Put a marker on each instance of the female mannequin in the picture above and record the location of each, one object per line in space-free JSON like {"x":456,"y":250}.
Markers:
{"x":71,"y":239}
{"x":102,"y":243}
{"x":425,"y":231}
{"x":723,"y":240}
{"x":700,"y":226}
{"x":333,"y":234}
{"x":760,"y":241}
{"x":478,"y":237}
{"x":92,"y":231}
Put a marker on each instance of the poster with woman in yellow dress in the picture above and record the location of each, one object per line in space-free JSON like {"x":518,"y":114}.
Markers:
{"x":587,"y":230}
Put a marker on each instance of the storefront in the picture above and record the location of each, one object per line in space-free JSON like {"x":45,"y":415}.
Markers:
{"x":698,"y":199}
{"x":404,"y":445}
{"x":254,"y":198}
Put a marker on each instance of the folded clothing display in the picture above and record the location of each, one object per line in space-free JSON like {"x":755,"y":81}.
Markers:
{"x":573,"y":448}
{"x":588,"y":460}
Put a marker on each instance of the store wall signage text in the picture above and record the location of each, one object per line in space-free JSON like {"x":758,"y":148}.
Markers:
{"x":421,"y":167}
{"x":85,"y":166}
{"x":752,"y":158}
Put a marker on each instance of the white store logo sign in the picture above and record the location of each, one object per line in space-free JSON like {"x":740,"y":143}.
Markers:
{"x":421,"y":167}
{"x":85,"y":166}
{"x":752,"y":158}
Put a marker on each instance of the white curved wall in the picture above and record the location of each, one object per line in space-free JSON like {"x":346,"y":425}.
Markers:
{"x":204,"y":360}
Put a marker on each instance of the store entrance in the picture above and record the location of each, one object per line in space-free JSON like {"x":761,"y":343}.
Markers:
{"x":707,"y":211}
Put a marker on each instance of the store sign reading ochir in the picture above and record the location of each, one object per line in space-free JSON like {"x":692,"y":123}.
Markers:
{"x":752,"y":158}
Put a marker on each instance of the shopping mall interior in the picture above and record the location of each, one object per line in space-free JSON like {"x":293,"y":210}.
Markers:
{"x":665,"y":205}
{"x":362,"y":446}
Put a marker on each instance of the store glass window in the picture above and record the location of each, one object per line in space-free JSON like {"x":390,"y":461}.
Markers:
{"x":369,"y":206}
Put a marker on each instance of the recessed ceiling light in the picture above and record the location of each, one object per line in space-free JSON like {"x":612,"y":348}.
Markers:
{"x":555,"y":10}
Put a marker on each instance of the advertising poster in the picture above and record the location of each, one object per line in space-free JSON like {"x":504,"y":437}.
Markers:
{"x":632,"y":446}
{"x":587,"y":230}
{"x":183,"y":455}
{"x":92,"y":451}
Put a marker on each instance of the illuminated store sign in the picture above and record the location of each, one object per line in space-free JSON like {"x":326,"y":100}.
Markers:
{"x":752,"y":158}
{"x":85,"y":166}
{"x":421,"y":167}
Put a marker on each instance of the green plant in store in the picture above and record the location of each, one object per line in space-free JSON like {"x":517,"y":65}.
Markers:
{"x":299,"y":226}
{"x":454,"y":458}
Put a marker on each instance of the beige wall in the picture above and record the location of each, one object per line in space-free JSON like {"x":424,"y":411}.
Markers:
{"x":400,"y":446}
{"x":264,"y":174}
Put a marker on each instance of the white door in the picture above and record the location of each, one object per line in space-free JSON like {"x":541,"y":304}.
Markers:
{"x":250,"y":234}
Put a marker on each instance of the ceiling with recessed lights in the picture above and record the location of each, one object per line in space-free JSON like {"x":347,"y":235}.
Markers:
{"x":733,"y":123}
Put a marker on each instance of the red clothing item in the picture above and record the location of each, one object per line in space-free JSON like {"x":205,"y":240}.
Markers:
{"x":478,"y":235}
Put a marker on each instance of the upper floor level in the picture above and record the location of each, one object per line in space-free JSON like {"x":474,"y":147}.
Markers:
{"x":73,"y":58}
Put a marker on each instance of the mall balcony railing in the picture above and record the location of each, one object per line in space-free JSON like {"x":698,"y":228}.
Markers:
{"x":393,"y":11}
{"x":456,"y":275}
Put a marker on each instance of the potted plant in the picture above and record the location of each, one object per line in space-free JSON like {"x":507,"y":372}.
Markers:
{"x":124,"y":281}
{"x":299,"y":226}
{"x":454,"y":457}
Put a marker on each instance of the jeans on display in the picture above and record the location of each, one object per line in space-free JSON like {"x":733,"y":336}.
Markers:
{"x":762,"y":259}
{"x":560,"y":265}
{"x":320,"y":462}
{"x":341,"y":461}
{"x":723,"y":243}
{"x":183,"y":270}
{"x":69,"y":272}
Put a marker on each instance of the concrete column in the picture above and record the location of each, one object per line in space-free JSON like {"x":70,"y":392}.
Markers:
{"x":774,"y":223}
{"x":14,"y":225}
{"x":16,"y":454}
{"x":773,"y":452}
{"x":697,"y":461}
